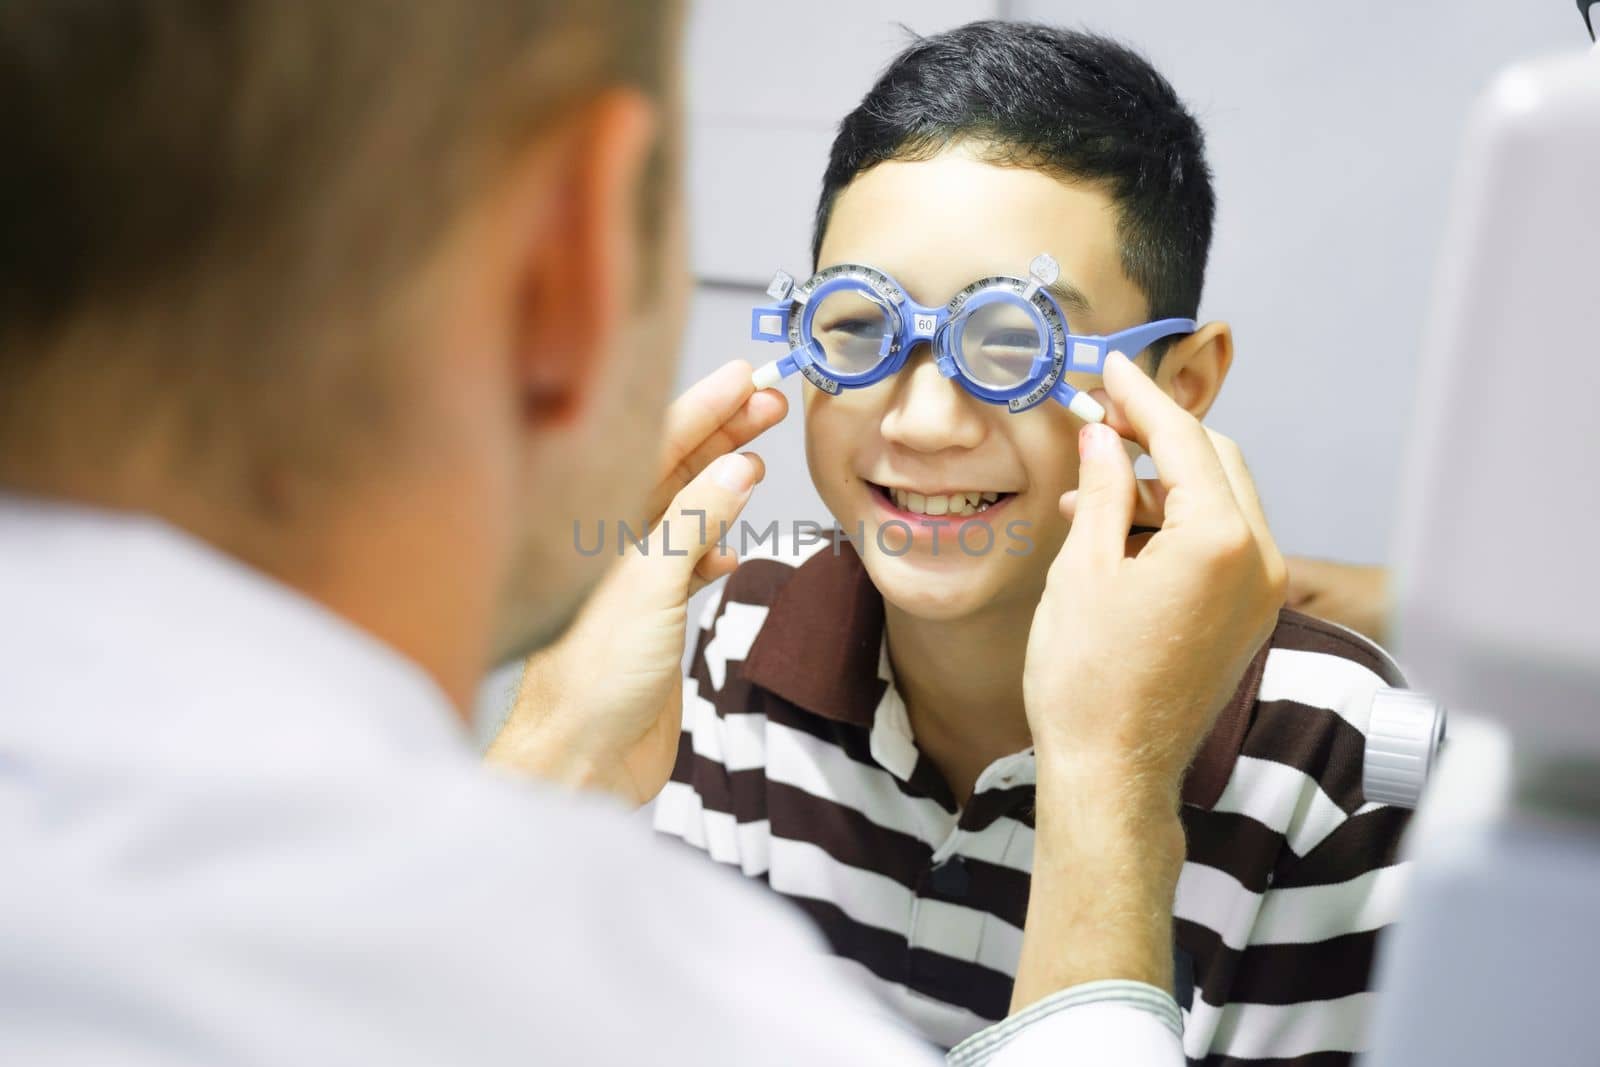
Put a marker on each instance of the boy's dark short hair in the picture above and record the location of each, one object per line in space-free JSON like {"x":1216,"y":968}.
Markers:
{"x":1072,"y":103}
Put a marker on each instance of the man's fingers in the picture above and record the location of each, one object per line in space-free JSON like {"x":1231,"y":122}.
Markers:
{"x":1103,"y":505}
{"x":697,"y":519}
{"x":1149,"y":503}
{"x":1180,"y":447}
{"x":759,"y":413}
{"x":703,"y":407}
{"x":718,"y":414}
{"x":1242,"y":485}
{"x":1244,"y":493}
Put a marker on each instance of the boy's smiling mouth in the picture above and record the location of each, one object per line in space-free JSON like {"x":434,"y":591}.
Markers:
{"x":947,"y":505}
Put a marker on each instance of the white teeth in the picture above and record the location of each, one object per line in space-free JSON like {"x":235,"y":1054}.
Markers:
{"x":968,"y":502}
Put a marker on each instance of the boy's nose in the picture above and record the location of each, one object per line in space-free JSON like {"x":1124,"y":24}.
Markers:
{"x":930,"y":413}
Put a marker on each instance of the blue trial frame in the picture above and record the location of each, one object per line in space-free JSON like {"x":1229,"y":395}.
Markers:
{"x":1082,"y":353}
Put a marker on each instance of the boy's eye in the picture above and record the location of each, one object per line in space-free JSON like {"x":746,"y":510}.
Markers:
{"x":998,"y":343}
{"x":857,"y":328}
{"x":1026,"y":341}
{"x":853,"y":330}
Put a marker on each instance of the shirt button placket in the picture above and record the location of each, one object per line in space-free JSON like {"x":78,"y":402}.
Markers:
{"x":946,"y":879}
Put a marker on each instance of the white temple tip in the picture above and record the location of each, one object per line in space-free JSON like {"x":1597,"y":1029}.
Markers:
{"x":1087,"y":408}
{"x":767,"y":377}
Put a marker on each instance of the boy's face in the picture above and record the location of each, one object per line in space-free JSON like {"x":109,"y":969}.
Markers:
{"x":935,"y":226}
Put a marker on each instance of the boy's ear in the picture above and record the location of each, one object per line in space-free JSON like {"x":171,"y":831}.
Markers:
{"x":1194,"y":368}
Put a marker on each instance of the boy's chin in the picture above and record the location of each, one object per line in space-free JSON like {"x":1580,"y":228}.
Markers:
{"x":937,"y":589}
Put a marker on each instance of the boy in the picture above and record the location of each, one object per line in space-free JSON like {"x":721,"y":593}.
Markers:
{"x":853,"y":728}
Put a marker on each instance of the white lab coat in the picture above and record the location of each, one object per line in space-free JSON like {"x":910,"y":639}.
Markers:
{"x":234,"y":829}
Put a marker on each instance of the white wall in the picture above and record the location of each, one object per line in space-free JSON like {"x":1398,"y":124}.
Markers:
{"x":1332,"y":131}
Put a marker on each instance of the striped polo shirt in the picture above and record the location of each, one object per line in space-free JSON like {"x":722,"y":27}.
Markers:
{"x":797,"y":765}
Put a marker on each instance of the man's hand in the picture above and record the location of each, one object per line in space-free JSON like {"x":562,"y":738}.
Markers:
{"x":601,"y":708}
{"x":1135,"y":647}
{"x":1349,"y":594}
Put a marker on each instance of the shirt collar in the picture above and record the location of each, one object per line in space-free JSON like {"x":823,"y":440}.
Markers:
{"x":125,"y":632}
{"x":822,"y":649}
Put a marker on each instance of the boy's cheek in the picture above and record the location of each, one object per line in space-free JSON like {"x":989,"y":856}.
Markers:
{"x":820,"y":433}
{"x":836,"y":427}
{"x":1049,"y":530}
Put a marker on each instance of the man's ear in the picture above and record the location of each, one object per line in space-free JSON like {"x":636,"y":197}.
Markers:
{"x":580,"y":271}
{"x":1194,"y":367}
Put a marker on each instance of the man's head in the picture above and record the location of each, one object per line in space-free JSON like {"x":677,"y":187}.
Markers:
{"x":377,"y":296}
{"x":976,"y":150}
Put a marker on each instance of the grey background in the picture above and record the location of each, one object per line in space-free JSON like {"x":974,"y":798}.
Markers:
{"x":1332,"y":132}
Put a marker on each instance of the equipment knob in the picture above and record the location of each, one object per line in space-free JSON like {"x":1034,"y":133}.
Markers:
{"x":1404,"y":736}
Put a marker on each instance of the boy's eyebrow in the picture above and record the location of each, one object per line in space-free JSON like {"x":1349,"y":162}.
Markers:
{"x":1069,"y":296}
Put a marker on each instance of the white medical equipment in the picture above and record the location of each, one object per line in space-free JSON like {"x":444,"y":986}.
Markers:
{"x":1497,"y":958}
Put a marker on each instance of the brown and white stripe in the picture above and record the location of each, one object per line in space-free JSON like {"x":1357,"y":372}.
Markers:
{"x":797,"y":766}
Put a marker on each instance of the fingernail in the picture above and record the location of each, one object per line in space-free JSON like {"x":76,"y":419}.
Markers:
{"x":734,"y":473}
{"x":1115,"y":357}
{"x":1095,"y":439}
